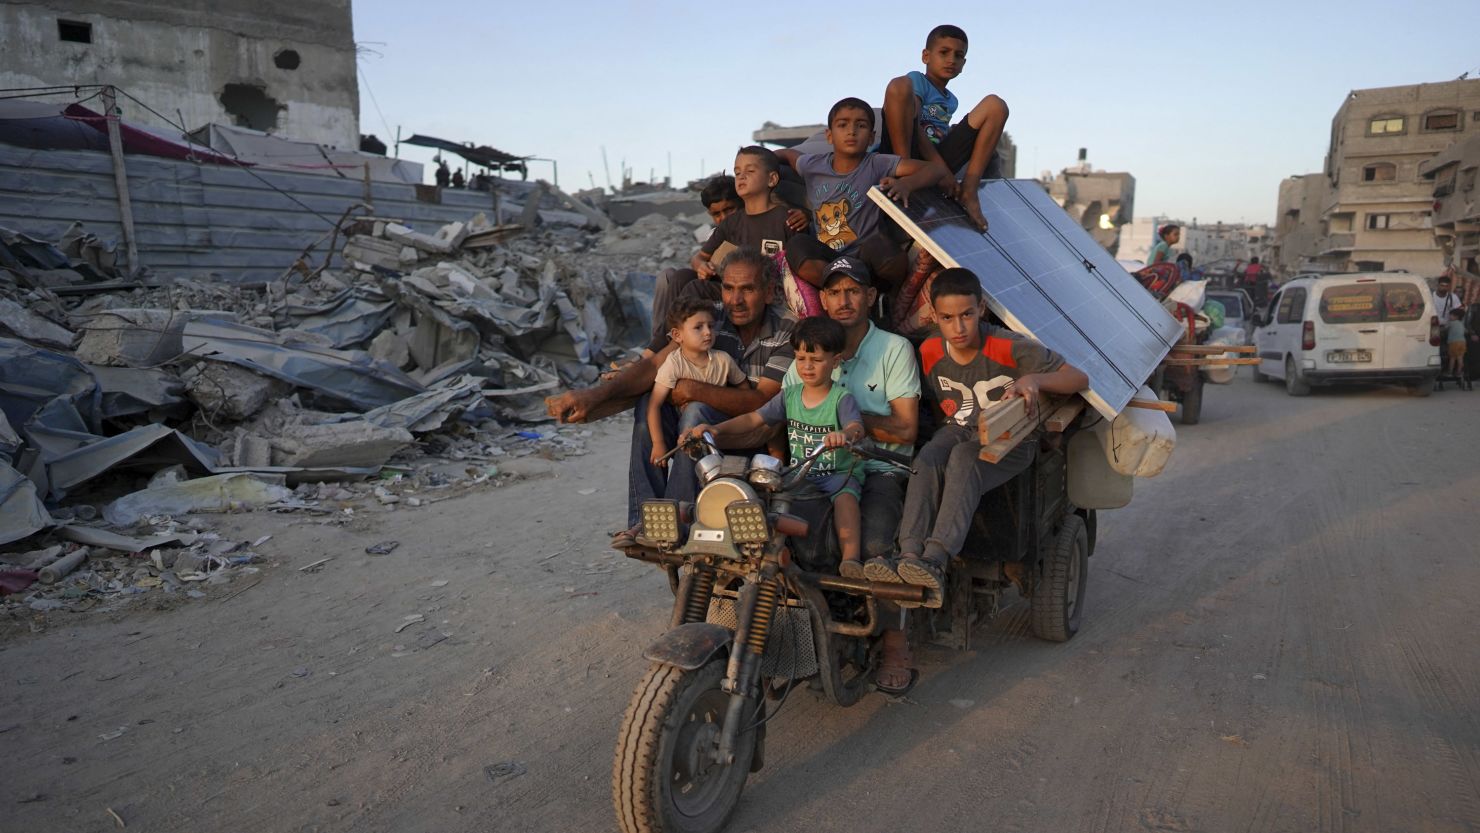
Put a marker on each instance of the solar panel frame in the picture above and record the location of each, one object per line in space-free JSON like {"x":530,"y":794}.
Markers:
{"x":1047,"y":278}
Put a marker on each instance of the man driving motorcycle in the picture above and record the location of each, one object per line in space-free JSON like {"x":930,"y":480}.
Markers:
{"x":879,"y":370}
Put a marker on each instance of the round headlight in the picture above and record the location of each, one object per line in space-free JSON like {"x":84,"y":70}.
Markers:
{"x":708,"y":467}
{"x":710,"y":510}
{"x":765,"y":472}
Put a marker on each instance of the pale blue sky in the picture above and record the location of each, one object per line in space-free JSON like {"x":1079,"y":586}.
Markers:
{"x":1209,"y":105}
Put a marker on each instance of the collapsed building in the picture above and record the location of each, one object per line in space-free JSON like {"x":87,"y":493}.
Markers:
{"x":271,"y":66}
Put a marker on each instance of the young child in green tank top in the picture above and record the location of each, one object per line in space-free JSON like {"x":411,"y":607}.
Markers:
{"x":817,"y":412}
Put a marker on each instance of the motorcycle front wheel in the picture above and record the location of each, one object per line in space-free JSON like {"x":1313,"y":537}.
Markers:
{"x":664,"y":777}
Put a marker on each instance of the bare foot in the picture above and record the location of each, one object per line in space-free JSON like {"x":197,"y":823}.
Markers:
{"x":971,"y":203}
{"x":897,"y":668}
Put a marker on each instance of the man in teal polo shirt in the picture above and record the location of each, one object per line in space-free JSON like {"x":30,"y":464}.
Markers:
{"x":879,"y":369}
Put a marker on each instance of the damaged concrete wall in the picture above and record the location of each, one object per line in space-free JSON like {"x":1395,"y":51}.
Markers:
{"x":284,"y":67}
{"x":196,"y":219}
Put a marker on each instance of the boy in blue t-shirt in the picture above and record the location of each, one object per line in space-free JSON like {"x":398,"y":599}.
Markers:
{"x":837,"y":183}
{"x":917,"y":120}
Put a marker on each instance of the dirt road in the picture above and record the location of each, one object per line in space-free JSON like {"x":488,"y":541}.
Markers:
{"x":1280,"y":636}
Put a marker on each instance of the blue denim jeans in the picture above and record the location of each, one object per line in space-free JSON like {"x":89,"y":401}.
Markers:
{"x":645,"y":480}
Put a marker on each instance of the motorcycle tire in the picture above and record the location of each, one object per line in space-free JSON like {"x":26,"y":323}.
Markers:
{"x":672,"y":719}
{"x":1058,"y":590}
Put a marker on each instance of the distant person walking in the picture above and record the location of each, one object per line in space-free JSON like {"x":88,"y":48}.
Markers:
{"x":1167,"y":236}
{"x":1445,"y":300}
{"x":1454,"y":344}
{"x":1256,"y":281}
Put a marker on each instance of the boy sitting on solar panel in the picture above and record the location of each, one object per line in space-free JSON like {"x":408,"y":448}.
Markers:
{"x":917,"y":120}
{"x":963,"y":365}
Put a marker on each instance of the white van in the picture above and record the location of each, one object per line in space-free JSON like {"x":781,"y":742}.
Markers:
{"x":1359,"y":328}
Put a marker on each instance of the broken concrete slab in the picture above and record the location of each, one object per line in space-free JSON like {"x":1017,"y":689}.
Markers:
{"x":594,"y":216}
{"x":444,"y":242}
{"x":249,"y":451}
{"x":391,"y":348}
{"x":355,"y":443}
{"x":30,"y":326}
{"x":133,"y":337}
{"x":229,"y":391}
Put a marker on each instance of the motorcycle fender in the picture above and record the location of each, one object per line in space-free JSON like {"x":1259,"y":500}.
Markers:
{"x":689,"y":646}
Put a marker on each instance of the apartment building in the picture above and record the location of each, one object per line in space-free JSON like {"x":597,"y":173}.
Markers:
{"x":1100,"y":201}
{"x":1206,"y":243}
{"x":1452,"y":176}
{"x":1377,"y":208}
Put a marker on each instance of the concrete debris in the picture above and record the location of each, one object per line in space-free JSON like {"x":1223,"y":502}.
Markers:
{"x":225,"y":391}
{"x":428,"y":350}
{"x":392,"y":348}
{"x":355,"y":443}
{"x":135,"y":337}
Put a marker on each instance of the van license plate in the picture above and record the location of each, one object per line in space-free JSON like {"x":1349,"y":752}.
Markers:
{"x":1337,"y":356}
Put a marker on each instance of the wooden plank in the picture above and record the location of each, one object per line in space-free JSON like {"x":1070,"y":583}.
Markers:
{"x":1210,"y":361}
{"x":1212,"y":349}
{"x":999,"y":417}
{"x":1153,"y":405}
{"x":999,"y":448}
{"x":1064,"y":415}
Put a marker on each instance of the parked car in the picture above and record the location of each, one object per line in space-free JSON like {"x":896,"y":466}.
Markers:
{"x":1238,"y":309}
{"x":1353,"y":328}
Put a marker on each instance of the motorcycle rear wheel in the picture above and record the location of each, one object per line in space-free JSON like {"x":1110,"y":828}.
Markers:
{"x":662,"y":779}
{"x":1057,"y":605}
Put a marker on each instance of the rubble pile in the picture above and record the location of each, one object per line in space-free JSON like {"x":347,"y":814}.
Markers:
{"x":412,"y":368}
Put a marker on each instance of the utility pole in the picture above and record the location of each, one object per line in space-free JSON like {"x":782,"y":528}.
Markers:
{"x":120,"y":179}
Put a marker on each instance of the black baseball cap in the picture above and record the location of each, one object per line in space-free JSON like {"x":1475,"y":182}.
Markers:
{"x":850,"y":266}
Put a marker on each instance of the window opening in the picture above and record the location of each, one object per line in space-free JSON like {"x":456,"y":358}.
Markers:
{"x":250,"y":106}
{"x":74,"y":31}
{"x":1380,"y":172}
{"x":1385,"y":125}
{"x":1448,"y":120}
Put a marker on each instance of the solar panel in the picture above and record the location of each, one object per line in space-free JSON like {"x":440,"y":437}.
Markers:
{"x":1045,"y":277}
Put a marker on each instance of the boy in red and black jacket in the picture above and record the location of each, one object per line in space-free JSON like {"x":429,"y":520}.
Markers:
{"x":961,"y":365}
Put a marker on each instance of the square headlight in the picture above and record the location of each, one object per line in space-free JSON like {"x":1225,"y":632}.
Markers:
{"x":747,"y":519}
{"x":660,"y":521}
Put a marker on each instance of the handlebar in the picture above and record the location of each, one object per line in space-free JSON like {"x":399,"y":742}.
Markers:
{"x":884,"y":455}
{"x":862,"y":448}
